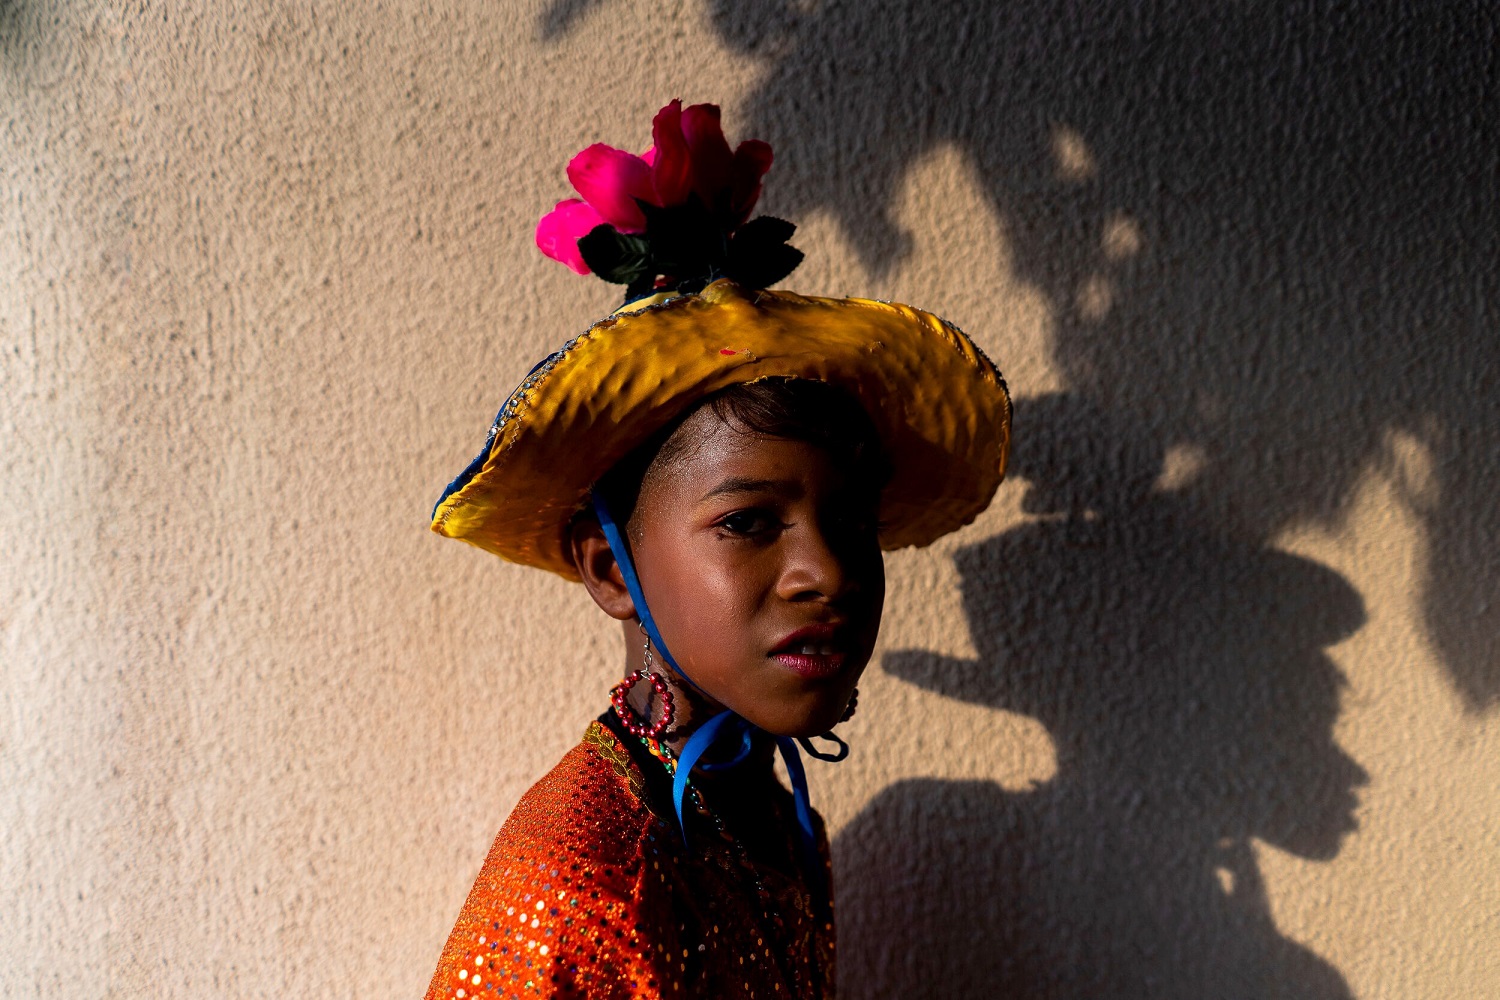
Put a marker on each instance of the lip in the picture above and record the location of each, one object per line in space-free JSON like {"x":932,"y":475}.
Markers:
{"x":813,"y":665}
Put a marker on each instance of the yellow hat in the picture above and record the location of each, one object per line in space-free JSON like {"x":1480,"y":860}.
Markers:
{"x":939,"y":405}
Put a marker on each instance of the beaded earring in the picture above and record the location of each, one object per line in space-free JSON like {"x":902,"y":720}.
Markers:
{"x":853,"y":704}
{"x":619,"y":697}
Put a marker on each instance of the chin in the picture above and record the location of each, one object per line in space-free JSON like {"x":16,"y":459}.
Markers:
{"x":803,"y":720}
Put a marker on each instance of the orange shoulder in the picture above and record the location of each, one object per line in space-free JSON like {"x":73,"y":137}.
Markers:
{"x":562,"y":907}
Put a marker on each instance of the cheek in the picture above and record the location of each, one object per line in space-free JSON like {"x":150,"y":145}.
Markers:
{"x":710,"y":628}
{"x":709,"y":599}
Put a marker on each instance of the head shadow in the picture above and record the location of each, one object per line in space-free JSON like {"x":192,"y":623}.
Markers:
{"x":1184,"y":678}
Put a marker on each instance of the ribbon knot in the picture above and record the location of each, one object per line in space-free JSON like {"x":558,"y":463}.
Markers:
{"x":728,"y":724}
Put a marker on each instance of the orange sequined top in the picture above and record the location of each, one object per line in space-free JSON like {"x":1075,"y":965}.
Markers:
{"x":588,"y":890}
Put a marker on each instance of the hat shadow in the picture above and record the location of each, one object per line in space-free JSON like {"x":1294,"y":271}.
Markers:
{"x":1183,"y":679}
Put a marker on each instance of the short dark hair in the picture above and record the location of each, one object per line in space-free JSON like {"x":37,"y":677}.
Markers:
{"x":818,"y":413}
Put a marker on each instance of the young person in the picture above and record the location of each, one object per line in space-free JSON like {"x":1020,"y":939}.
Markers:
{"x":721,"y":467}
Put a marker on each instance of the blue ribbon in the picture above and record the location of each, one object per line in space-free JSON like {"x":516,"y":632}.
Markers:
{"x":633,"y":585}
{"x":725,"y":723}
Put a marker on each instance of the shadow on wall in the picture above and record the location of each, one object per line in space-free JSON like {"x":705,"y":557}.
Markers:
{"x":1182,"y":679}
{"x":1270,"y":237}
{"x":1269,"y":232}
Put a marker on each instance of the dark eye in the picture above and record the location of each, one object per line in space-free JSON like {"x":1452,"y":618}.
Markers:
{"x":748,"y":522}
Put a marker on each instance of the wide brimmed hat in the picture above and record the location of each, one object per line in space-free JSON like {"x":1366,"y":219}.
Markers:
{"x":673,"y":225}
{"x":939,"y":405}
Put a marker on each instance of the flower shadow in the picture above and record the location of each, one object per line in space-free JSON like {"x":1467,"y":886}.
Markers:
{"x":1263,"y":231}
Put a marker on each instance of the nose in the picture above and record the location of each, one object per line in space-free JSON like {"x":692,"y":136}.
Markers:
{"x":1354,"y":773}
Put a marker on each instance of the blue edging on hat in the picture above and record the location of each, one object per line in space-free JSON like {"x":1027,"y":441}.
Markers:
{"x":472,"y":469}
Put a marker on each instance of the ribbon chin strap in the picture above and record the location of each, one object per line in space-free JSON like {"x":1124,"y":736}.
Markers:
{"x":726,"y":723}
{"x":834,"y":755}
{"x":633,"y":585}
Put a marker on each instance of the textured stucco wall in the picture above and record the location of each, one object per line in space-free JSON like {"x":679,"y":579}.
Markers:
{"x":1207,"y":704}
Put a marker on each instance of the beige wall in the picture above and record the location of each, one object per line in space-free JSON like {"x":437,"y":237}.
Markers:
{"x":1205,"y":705}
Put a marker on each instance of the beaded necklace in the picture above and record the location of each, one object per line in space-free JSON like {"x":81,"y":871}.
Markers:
{"x":664,"y":753}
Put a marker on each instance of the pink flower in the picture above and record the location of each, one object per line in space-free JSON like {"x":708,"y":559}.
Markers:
{"x":611,"y":180}
{"x":558,"y":233}
{"x":688,"y":156}
{"x":752,"y":160}
{"x":691,"y":156}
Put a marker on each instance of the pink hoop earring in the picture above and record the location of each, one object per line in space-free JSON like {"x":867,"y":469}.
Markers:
{"x":619,"y":697}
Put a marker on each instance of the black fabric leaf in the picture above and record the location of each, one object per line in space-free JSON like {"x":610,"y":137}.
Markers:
{"x":621,"y":258}
{"x":767,"y":267}
{"x":766,"y":229}
{"x":759,"y":255}
{"x":686,"y":246}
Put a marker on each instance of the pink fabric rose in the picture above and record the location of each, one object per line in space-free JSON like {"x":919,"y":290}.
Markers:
{"x":688,"y":156}
{"x":558,"y":233}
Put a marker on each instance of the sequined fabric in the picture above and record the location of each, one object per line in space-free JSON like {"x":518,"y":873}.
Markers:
{"x":588,"y":891}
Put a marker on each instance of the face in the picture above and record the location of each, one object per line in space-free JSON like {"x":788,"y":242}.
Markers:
{"x":759,"y":559}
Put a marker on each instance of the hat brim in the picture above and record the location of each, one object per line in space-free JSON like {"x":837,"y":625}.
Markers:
{"x":939,"y":405}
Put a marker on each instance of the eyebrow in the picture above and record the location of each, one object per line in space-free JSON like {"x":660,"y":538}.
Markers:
{"x":740,"y":485}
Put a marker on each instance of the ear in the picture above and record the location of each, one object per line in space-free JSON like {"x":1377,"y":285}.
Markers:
{"x":601,"y":573}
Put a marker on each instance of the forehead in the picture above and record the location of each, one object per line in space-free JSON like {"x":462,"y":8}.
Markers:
{"x":706,"y":449}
